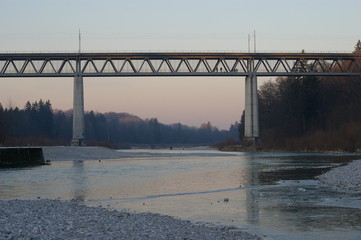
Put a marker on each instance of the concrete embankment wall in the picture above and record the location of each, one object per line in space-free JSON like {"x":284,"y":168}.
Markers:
{"x":21,"y":157}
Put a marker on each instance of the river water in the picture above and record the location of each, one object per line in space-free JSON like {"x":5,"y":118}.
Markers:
{"x":274,"y":194}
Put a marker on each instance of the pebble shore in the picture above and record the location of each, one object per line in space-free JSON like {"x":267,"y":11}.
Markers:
{"x":70,"y":153}
{"x":346,"y":177}
{"x":55,"y":219}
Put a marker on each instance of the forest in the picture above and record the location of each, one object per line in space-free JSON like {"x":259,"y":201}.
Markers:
{"x":310,"y":113}
{"x":38,"y":124}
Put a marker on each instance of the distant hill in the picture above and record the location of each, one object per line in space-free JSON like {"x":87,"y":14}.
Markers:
{"x":122,"y":117}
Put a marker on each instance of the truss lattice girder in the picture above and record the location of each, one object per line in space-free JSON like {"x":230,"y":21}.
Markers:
{"x":178,"y":64}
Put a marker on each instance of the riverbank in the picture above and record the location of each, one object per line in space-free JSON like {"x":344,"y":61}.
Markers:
{"x":70,"y":153}
{"x":260,"y":148}
{"x":54,"y":219}
{"x":345,"y":177}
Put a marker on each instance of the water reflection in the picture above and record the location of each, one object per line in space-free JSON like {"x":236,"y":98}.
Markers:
{"x":79,"y":179}
{"x":252,"y":195}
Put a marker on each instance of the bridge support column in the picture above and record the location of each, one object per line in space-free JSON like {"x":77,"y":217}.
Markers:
{"x":251,"y":133}
{"x":78,"y":113}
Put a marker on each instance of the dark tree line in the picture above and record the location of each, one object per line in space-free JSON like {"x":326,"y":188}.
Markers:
{"x":118,"y":128}
{"x":38,"y":124}
{"x":35,"y":124}
{"x":311,"y":113}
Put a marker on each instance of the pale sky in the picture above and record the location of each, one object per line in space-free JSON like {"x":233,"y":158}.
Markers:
{"x":166,"y":25}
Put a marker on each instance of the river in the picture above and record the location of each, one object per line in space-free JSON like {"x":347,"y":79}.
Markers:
{"x":274,"y":194}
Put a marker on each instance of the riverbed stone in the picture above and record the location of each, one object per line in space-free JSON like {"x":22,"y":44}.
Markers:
{"x":55,"y":219}
{"x":346,"y":177}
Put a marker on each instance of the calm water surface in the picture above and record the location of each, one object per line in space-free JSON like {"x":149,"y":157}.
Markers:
{"x":268,"y":193}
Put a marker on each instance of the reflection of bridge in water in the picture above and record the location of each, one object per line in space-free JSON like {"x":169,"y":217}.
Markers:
{"x":249,"y":65}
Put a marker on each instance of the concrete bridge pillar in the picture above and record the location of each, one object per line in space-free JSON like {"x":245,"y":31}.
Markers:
{"x":251,"y":133}
{"x":78,"y":111}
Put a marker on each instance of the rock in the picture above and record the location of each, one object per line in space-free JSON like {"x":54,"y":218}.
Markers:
{"x":35,"y":230}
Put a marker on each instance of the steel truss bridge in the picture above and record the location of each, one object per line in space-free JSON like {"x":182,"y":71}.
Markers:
{"x":249,"y":65}
{"x":177,"y":64}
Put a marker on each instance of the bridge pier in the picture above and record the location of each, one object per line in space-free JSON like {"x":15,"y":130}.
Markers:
{"x":251,"y":131}
{"x":78,"y":112}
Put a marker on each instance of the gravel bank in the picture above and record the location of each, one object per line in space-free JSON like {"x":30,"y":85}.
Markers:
{"x":54,"y":219}
{"x":346,"y":177}
{"x":69,"y":153}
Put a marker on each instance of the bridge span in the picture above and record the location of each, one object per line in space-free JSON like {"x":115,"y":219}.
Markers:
{"x":248,"y":65}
